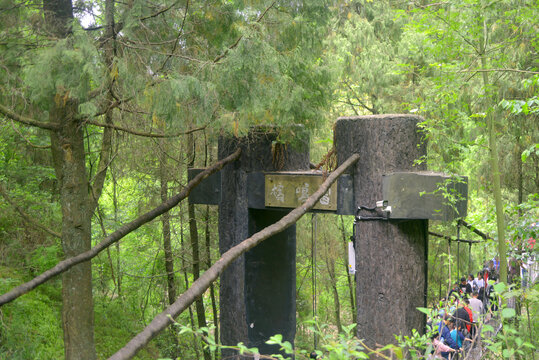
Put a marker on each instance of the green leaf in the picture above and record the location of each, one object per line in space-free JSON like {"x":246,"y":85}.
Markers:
{"x":487,"y":328}
{"x":507,"y":353}
{"x":500,"y":287}
{"x":275,"y":340}
{"x":398,"y":353}
{"x":424,"y":310}
{"x":508,"y":313}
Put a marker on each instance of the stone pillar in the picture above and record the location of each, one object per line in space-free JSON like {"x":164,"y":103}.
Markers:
{"x":391,"y":256}
{"x":257,"y":292}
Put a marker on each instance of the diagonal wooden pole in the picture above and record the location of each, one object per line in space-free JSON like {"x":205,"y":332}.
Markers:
{"x":117,"y":235}
{"x":165,"y":318}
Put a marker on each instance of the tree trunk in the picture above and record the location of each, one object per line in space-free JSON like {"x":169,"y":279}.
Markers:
{"x":67,"y":147}
{"x":193,"y":232}
{"x":69,"y":161}
{"x":208,"y":265}
{"x":165,"y":221}
{"x":494,"y":162}
{"x":330,"y":264}
{"x":118,"y":262}
{"x":186,"y":279}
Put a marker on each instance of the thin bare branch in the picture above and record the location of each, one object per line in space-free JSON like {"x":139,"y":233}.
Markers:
{"x":26,"y":120}
{"x":356,"y":96}
{"x":177,"y":38}
{"x":161,"y":52}
{"x":140,"y":133}
{"x":218,"y":58}
{"x":198,"y":287}
{"x":117,"y":235}
{"x":157,"y":13}
{"x":28,"y":141}
{"x":24,"y":215}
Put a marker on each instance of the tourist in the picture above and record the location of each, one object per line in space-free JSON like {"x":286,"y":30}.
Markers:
{"x":477,"y":308}
{"x":439,"y":348}
{"x":455,"y":291}
{"x":462,"y":316}
{"x":445,"y":335}
{"x":471,"y":282}
{"x":465,"y":288}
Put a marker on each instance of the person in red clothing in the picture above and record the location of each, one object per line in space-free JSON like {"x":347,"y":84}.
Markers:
{"x":466,"y":307}
{"x":462,"y":316}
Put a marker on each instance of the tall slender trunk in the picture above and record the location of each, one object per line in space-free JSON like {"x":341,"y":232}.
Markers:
{"x":330,"y":264}
{"x":520,"y":178}
{"x":186,"y":279}
{"x":208,"y":265}
{"x":494,"y":162}
{"x":193,"y":232}
{"x":165,"y":222}
{"x":118,"y":262}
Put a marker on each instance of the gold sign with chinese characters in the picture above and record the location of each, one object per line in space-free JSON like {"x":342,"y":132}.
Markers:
{"x":290,"y":191}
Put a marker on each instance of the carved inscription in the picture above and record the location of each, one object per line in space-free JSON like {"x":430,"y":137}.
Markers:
{"x":291,"y":190}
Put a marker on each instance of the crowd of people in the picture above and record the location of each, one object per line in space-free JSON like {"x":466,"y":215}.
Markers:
{"x":470,"y":302}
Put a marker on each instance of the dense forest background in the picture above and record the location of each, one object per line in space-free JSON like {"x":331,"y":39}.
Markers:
{"x":104,"y":105}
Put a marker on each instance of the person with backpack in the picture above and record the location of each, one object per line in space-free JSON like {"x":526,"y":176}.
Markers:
{"x":445,"y":335}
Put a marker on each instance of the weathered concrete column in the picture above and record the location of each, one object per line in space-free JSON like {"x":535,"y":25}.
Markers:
{"x":257,"y":292}
{"x":391,"y":256}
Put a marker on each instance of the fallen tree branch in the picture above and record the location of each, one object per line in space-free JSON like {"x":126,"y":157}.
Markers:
{"x":117,"y":235}
{"x":198,"y":287}
{"x":26,"y":120}
{"x":24,"y":215}
{"x":449,"y":238}
{"x":474,"y":229}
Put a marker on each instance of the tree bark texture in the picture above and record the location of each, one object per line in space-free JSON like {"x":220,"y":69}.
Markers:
{"x":67,"y":146}
{"x":165,"y":221}
{"x":257,"y":291}
{"x":391,"y":261}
